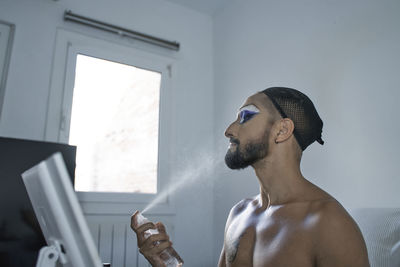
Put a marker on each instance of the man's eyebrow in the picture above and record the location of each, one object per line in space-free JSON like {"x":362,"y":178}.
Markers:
{"x":250,"y":107}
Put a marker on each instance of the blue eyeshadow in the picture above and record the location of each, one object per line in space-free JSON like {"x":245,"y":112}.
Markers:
{"x":246,"y":115}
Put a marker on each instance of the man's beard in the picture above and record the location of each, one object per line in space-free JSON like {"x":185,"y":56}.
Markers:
{"x":252,"y":153}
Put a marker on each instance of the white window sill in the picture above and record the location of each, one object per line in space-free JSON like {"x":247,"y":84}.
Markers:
{"x":101,"y":203}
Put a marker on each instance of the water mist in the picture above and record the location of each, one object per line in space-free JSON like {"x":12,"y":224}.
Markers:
{"x":201,"y":166}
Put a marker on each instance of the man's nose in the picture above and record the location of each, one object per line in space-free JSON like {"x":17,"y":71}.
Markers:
{"x":230,"y":131}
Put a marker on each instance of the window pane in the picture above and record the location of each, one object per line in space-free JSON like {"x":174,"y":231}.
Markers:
{"x":114,"y":123}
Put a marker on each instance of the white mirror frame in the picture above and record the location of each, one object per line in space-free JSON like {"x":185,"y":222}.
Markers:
{"x":6,"y":40}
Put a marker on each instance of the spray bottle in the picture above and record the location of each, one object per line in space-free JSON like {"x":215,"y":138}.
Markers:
{"x":169,"y":255}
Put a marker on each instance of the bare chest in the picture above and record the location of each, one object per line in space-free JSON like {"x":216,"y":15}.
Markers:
{"x":253,"y":241}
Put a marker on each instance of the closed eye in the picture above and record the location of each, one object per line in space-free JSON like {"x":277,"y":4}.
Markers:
{"x":246,"y":115}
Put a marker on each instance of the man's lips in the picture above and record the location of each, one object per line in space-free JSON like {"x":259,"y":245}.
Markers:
{"x":233,"y":142}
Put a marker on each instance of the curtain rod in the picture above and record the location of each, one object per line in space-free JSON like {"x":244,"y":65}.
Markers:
{"x":68,"y":15}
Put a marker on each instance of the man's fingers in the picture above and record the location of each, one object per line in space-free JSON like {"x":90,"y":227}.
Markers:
{"x":145,"y":227}
{"x":153,"y":244}
{"x":157,"y":249}
{"x":153,"y":240}
{"x":160,"y":227}
{"x":140,"y":232}
{"x":160,"y":247}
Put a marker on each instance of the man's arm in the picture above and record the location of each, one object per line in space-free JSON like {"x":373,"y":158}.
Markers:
{"x":340,"y":242}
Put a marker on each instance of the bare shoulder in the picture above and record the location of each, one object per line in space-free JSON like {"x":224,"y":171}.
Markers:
{"x":241,"y":205}
{"x":237,"y":209}
{"x":332,"y":217}
{"x":340,"y":242}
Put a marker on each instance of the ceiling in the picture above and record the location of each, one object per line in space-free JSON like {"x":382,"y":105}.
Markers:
{"x":209,"y":7}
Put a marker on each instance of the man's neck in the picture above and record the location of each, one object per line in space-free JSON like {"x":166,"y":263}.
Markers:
{"x":280,"y":180}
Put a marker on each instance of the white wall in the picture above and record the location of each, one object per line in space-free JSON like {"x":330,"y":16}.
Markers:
{"x":345,"y":55}
{"x":25,"y":105}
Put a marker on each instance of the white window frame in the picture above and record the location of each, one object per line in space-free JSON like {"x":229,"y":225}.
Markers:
{"x":68,"y":46}
{"x":6,"y":34}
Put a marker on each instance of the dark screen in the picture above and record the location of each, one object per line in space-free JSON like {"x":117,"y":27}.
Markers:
{"x":20,"y":234}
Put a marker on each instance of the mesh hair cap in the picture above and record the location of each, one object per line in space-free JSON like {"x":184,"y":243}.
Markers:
{"x":300,"y":109}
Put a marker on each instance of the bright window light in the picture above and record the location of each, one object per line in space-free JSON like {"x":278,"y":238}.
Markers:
{"x":114,"y":124}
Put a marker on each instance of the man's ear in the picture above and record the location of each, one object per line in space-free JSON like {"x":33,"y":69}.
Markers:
{"x":285,"y":130}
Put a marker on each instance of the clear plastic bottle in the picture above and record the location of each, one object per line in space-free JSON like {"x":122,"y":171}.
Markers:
{"x":169,"y":255}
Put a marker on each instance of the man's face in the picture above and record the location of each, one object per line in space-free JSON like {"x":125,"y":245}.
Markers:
{"x":249,"y":134}
{"x":241,"y":156}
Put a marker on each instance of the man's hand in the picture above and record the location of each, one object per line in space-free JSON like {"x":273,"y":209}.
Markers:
{"x":152,"y":246}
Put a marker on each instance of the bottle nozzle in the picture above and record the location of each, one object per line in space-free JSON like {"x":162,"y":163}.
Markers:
{"x":140,"y":219}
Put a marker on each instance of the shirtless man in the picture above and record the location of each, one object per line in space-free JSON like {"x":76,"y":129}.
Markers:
{"x":292,"y":222}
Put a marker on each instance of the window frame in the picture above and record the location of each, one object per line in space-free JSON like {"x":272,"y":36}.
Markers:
{"x":68,"y":46}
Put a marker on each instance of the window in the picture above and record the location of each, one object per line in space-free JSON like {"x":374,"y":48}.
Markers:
{"x":114,"y":102}
{"x":114,"y":124}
